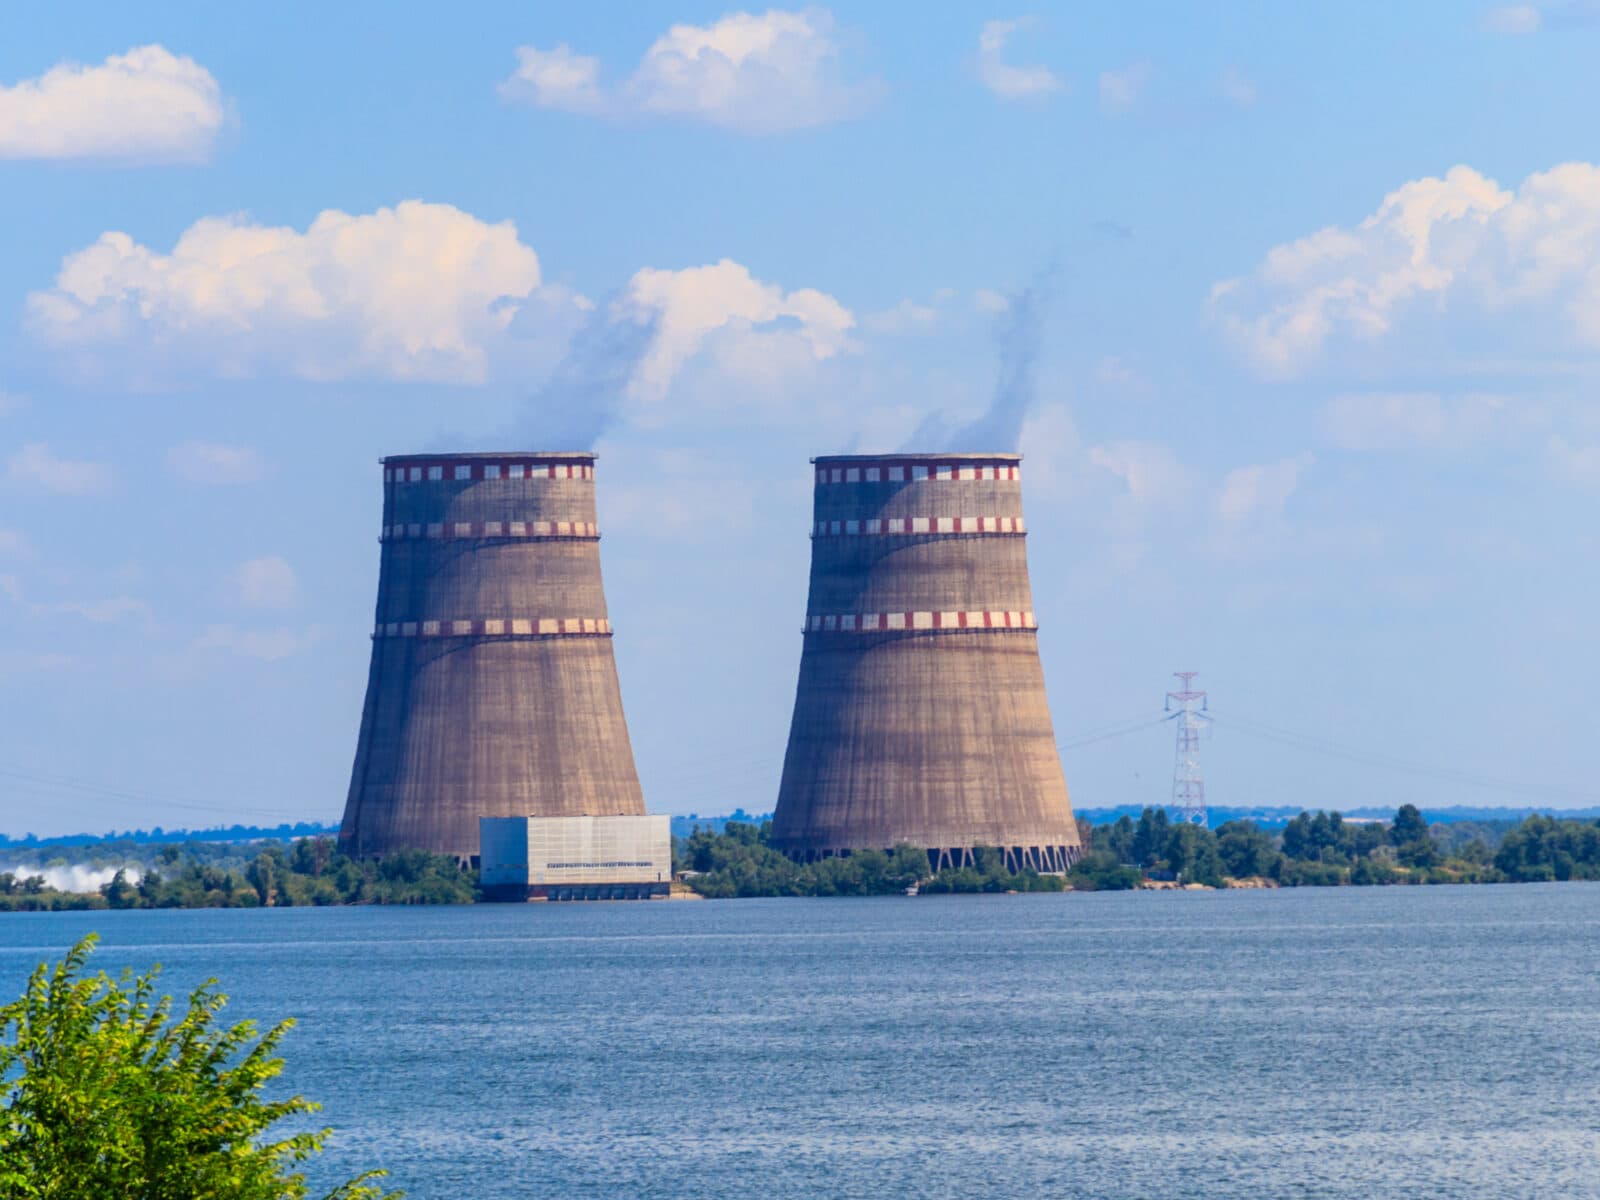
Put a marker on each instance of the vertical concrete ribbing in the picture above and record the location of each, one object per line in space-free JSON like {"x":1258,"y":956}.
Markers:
{"x":938,"y":733}
{"x":516,"y":722}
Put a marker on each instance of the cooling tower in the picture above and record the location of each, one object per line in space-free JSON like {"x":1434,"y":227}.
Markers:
{"x":493,"y":691}
{"x":921,"y":714}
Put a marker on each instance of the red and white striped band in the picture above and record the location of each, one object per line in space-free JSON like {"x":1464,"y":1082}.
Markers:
{"x":492,"y":529}
{"x":913,"y":472}
{"x":516,"y":627}
{"x":881,"y":622}
{"x":423,"y":472}
{"x":919,"y":525}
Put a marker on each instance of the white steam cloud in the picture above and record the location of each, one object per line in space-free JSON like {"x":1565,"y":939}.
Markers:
{"x":999,"y":429}
{"x":82,"y":879}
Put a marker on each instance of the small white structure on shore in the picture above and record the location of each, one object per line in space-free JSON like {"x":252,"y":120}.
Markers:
{"x":575,"y":858}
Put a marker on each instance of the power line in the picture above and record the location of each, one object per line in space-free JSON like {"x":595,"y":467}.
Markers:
{"x":1302,"y":741}
{"x":1107,"y":732}
{"x":97,"y":795}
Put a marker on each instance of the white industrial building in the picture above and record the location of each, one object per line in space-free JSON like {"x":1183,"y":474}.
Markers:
{"x":575,"y":858}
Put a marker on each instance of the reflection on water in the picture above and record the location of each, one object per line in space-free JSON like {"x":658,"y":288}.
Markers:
{"x":1418,"y":1041}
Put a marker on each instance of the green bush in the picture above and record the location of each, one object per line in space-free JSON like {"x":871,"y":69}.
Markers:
{"x":1102,"y":871}
{"x":105,"y":1093}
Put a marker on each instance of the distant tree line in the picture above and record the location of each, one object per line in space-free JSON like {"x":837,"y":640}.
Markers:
{"x":1313,"y":849}
{"x":1324,"y":849}
{"x":1319,"y":849}
{"x":740,"y":862}
{"x":159,"y":836}
{"x":310,"y":871}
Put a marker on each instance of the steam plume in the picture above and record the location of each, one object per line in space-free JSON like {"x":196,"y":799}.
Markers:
{"x":584,"y":393}
{"x":1016,"y":334}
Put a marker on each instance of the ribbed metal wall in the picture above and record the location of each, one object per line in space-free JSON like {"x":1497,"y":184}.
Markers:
{"x":493,"y":690}
{"x":921,"y":714}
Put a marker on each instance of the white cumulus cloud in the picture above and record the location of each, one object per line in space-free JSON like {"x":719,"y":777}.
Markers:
{"x":987,"y":300}
{"x":557,"y":78}
{"x":1151,"y":472}
{"x":1260,"y":490}
{"x":415,"y":292}
{"x":907,"y":317}
{"x":214,"y":462}
{"x":1574,"y":463}
{"x":1513,"y":18}
{"x":750,"y":321}
{"x":1002,"y":78}
{"x":266,"y":583}
{"x":36,"y":468}
{"x":1121,"y":90}
{"x":111,"y":610}
{"x":1237,"y":88}
{"x":1438,"y":252}
{"x":753,"y":74}
{"x":267,"y":645}
{"x":1051,"y":444}
{"x":1408,"y":420}
{"x":148,"y":105}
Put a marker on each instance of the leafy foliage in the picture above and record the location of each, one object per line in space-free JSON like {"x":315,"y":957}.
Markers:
{"x":1544,"y":848}
{"x":739,"y":861}
{"x":107,"y":1093}
{"x":131,"y":839}
{"x":29,"y":893}
{"x":988,"y":873}
{"x":1103,"y":871}
{"x":309,"y":871}
{"x":1325,"y":850}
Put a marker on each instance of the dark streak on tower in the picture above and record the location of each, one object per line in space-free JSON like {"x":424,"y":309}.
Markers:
{"x":921,"y":715}
{"x":493,"y":690}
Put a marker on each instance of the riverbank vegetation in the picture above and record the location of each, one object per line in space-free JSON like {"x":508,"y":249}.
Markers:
{"x":1325,"y":850}
{"x":309,"y":871}
{"x":740,"y":862}
{"x":1313,"y":850}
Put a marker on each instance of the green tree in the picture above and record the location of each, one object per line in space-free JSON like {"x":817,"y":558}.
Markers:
{"x":1409,"y":825}
{"x":119,"y":893}
{"x":1191,"y":855}
{"x":1245,"y":849}
{"x":1150,"y":837}
{"x":1371,"y":872}
{"x":1420,"y":852}
{"x":104,"y":1092}
{"x":1102,"y":871}
{"x":261,"y":878}
{"x":1118,"y":839}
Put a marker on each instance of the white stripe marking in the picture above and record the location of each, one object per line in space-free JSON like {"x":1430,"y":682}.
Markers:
{"x":879,"y":622}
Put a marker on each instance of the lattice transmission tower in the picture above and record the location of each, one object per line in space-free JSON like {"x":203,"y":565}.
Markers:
{"x":1188,"y":785}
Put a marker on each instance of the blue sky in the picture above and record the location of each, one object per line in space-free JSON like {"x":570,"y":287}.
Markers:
{"x":1313,"y":392}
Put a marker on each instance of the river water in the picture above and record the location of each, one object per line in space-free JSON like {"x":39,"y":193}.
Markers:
{"x":1322,"y":1042}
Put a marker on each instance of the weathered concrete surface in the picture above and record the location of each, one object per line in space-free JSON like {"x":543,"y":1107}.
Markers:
{"x":937,"y":736}
{"x":511,"y":724}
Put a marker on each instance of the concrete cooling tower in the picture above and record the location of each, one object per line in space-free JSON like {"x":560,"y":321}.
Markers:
{"x":493,"y":691}
{"x":921,"y":714}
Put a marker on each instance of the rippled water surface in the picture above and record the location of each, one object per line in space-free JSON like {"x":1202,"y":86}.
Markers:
{"x":1355,"y":1042}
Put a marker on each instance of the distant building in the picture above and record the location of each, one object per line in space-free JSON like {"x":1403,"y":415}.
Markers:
{"x":575,"y":858}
